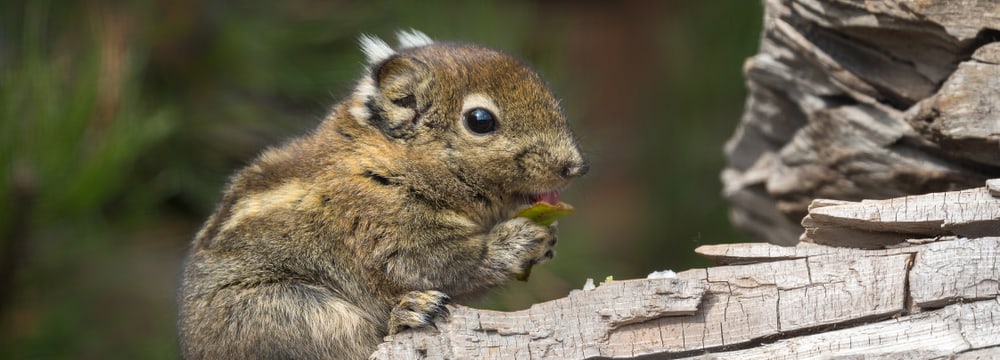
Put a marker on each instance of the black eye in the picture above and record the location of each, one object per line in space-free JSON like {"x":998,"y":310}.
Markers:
{"x":480,"y":121}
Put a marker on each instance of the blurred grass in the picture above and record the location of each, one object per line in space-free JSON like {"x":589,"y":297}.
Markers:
{"x":120,"y":121}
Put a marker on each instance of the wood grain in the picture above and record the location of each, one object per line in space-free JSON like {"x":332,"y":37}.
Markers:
{"x":877,"y":223}
{"x":856,"y":100}
{"x":960,"y":270}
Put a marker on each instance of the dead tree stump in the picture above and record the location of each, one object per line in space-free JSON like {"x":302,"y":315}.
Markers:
{"x":856,"y":100}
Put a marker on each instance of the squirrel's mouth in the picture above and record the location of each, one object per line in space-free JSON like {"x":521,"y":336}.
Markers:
{"x":528,"y":199}
{"x":531,"y":197}
{"x":551,"y":197}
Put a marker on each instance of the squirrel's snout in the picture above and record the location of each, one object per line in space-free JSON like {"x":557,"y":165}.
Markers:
{"x":574,"y":169}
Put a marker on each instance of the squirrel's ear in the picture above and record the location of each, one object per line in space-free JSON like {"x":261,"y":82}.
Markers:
{"x":398,"y":69}
{"x":403,"y":87}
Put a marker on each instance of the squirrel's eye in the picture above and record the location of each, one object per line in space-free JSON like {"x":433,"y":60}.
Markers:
{"x":480,"y":121}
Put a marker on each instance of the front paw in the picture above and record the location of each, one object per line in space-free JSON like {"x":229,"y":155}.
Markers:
{"x":418,"y":309}
{"x":525,"y":244}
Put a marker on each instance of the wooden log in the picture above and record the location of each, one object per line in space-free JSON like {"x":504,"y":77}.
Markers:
{"x":928,"y":335}
{"x":759,"y":252}
{"x":863,"y":100}
{"x":821,"y":301}
{"x":576,"y":326}
{"x":959,"y":270}
{"x":742,"y":304}
{"x":748,"y":302}
{"x":770,"y":301}
{"x":876,"y":223}
{"x":783,"y":302}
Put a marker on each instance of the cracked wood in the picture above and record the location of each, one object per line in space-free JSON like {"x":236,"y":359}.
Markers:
{"x":928,"y":335}
{"x":959,"y":270}
{"x":742,"y":303}
{"x":779,"y":303}
{"x":876,"y":223}
{"x":859,"y":100}
{"x":576,"y":326}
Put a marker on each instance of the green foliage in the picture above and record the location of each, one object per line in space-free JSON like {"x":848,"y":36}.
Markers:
{"x":73,"y":129}
{"x":120,"y":121}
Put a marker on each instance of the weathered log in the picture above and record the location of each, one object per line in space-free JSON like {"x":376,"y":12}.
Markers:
{"x":950,"y":271}
{"x":753,"y":252}
{"x":877,"y":223}
{"x":859,"y":100}
{"x":924,"y":298}
{"x":934,"y":334}
{"x":794,"y":301}
{"x":571,"y":327}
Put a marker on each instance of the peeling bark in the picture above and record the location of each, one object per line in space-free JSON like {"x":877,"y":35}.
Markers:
{"x":877,"y":223}
{"x":859,"y":100}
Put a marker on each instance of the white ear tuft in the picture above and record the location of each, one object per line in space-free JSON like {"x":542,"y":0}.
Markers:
{"x":413,"y":38}
{"x":375,"y":49}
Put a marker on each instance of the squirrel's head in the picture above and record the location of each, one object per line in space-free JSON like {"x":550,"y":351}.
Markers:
{"x":469,"y":114}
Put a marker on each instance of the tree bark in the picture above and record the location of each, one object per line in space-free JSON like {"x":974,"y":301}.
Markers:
{"x":871,"y":99}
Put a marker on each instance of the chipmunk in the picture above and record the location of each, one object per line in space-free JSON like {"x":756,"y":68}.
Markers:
{"x":402,"y":198}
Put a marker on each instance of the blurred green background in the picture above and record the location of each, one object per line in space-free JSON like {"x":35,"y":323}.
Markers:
{"x":121,"y":121}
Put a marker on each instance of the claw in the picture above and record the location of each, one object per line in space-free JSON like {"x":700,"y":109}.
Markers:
{"x":418,"y":309}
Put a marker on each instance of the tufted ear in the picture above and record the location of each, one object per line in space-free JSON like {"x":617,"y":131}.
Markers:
{"x":400,"y":76}
{"x":403,"y":90}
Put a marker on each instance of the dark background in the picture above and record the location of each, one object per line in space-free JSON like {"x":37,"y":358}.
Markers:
{"x":120,"y":122}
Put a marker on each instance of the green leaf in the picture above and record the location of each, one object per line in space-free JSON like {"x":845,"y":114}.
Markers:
{"x":543,"y":213}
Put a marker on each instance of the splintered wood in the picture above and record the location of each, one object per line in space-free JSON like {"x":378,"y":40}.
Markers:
{"x":778,"y":291}
{"x":994,"y":187}
{"x":920,"y":298}
{"x":933,"y":334}
{"x":572,"y":327}
{"x":748,"y":302}
{"x":876,"y":223}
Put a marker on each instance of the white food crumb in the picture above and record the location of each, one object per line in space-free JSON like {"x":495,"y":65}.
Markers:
{"x":665,"y":274}
{"x":589,"y":285}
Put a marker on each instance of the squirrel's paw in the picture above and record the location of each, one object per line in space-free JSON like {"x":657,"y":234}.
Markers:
{"x":418,"y":309}
{"x":528,"y":244}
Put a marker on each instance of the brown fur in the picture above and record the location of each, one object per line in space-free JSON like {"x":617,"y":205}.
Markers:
{"x":358,"y":229}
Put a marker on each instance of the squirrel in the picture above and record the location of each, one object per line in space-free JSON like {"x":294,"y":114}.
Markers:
{"x":401,"y":199}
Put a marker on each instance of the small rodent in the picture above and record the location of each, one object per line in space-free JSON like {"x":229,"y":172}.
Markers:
{"x":403,"y":196}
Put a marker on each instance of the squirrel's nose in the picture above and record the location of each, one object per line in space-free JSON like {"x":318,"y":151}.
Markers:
{"x":574,"y":169}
